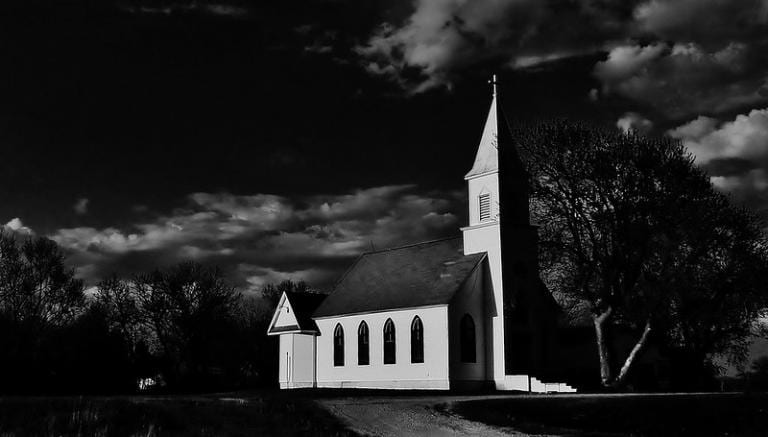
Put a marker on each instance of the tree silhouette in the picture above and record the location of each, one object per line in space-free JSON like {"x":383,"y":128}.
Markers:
{"x":633,"y":228}
{"x":36,"y":288}
{"x":189,"y":308}
{"x":39,"y":299}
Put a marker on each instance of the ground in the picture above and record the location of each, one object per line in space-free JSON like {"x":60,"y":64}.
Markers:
{"x":663,"y":414}
{"x":350,"y":413}
{"x":408,"y":416}
{"x":700,"y":414}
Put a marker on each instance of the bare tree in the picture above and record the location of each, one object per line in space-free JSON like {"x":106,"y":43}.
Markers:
{"x":118,"y":300}
{"x":186,"y":306}
{"x":272,"y":292}
{"x":36,"y":288}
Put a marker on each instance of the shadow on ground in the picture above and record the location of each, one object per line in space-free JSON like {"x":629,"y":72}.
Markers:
{"x":625,"y":415}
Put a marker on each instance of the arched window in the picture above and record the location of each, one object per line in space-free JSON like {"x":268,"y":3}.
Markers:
{"x":389,"y":342}
{"x":417,"y":341}
{"x":338,"y":345}
{"x":467,"y":331}
{"x":363,"y":355}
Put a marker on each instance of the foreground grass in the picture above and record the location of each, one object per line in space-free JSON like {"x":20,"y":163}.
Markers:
{"x":271,"y":414}
{"x":635,"y":415}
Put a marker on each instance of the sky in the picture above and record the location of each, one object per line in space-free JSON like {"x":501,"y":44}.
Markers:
{"x":278,"y":140}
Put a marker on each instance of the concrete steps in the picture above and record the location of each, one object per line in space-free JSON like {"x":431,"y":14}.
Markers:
{"x":533,"y":385}
{"x":550,"y":387}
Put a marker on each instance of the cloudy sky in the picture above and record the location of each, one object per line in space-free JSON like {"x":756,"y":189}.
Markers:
{"x":280,"y":140}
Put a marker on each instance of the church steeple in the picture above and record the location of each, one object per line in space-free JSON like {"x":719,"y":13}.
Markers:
{"x":483,"y":234}
{"x":503,"y":233}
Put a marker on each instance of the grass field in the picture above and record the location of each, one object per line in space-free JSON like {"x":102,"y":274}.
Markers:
{"x":267,"y":414}
{"x":634,"y":415}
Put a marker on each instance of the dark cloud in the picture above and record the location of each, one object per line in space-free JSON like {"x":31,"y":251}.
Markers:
{"x":133,"y":104}
{"x":686,"y":79}
{"x":441,"y":39}
{"x":167,"y":8}
{"x":265,"y":238}
{"x":81,"y":206}
{"x":729,"y":166}
{"x":713,"y":23}
{"x":679,"y":57}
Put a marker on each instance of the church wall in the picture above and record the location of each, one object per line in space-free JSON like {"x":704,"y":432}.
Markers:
{"x":286,"y":346}
{"x":297,"y":356}
{"x":431,"y":374}
{"x":486,"y":238}
{"x":471,"y":299}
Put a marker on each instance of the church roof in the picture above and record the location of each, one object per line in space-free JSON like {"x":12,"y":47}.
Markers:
{"x":304,"y":304}
{"x":421,"y":274}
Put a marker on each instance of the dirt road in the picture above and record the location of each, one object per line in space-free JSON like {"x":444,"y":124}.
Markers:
{"x":407,"y":416}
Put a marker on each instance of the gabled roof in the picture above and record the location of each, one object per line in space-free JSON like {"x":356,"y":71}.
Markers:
{"x":417,"y":275}
{"x":294,"y":313}
{"x":304,"y":304}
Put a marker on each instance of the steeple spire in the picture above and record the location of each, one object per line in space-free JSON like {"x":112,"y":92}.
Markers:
{"x":487,"y":158}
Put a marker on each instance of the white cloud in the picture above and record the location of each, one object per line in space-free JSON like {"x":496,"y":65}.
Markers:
{"x":755,"y":180}
{"x":315,"y":236}
{"x":686,"y":78}
{"x":745,"y":137}
{"x":81,"y":206}
{"x":634,"y":121}
{"x":624,"y":62}
{"x":16,"y":225}
{"x":735,"y":152}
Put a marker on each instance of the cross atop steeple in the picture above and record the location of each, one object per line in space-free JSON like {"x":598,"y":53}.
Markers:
{"x":494,"y":83}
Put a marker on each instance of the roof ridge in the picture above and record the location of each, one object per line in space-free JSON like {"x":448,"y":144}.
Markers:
{"x":411,"y":245}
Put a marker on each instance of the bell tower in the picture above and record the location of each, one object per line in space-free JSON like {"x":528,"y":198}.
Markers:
{"x":484,"y":231}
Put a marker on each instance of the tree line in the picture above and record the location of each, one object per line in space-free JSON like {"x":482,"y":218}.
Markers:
{"x":184,"y":327}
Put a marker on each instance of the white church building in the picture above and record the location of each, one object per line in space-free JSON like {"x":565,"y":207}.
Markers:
{"x":459,"y":313}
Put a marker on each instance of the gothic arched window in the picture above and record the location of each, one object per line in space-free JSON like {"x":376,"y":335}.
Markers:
{"x":363,"y":354}
{"x":389,"y":342}
{"x":417,"y":341}
{"x":468,"y":344}
{"x":338,"y":345}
